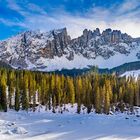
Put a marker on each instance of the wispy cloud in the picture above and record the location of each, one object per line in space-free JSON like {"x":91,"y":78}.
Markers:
{"x":13,"y":5}
{"x":128,"y":6}
{"x":35,"y":8}
{"x":12,"y":23}
{"x":124,"y":16}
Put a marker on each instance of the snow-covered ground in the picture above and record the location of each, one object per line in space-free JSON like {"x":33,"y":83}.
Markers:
{"x":79,"y":62}
{"x":134,"y":73}
{"x":68,"y":126}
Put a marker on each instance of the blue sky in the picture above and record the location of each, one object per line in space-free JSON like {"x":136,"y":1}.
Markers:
{"x":20,"y":15}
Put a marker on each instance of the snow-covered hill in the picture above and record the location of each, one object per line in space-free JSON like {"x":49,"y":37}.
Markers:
{"x":135,"y":73}
{"x":48,"y":51}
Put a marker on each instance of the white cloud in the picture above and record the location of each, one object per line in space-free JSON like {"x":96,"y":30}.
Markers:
{"x":128,"y":6}
{"x":16,"y":7}
{"x":12,"y":23}
{"x":35,"y":8}
{"x":124,"y":17}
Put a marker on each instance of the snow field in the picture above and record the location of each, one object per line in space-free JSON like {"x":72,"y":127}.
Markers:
{"x":42,"y":125}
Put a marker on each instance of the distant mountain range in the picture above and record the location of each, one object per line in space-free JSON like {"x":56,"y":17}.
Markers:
{"x":55,"y":50}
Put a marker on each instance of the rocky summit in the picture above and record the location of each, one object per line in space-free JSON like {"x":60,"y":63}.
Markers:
{"x":48,"y":51}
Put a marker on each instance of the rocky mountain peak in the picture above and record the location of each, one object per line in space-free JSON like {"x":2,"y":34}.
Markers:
{"x":35,"y":49}
{"x":96,"y":32}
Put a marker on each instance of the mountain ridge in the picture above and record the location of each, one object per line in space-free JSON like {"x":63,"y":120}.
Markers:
{"x":55,"y":50}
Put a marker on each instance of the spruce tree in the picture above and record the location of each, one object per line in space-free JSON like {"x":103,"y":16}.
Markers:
{"x":97,"y":101}
{"x":25,"y":97}
{"x":107,"y":98}
{"x":11,"y":82}
{"x":3,"y":87}
{"x":17,"y":98}
{"x":71,"y":91}
{"x":79,"y":94}
{"x":34,"y":94}
{"x":88,"y":97}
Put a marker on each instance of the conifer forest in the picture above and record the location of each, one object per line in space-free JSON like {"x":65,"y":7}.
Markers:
{"x":24,"y":90}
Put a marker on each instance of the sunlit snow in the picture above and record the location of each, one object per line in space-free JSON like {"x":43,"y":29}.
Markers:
{"x":42,"y":125}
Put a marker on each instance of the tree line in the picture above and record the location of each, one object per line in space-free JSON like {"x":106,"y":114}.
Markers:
{"x":21,"y":89}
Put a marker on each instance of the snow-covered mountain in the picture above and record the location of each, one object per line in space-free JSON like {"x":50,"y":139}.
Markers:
{"x":53,"y":50}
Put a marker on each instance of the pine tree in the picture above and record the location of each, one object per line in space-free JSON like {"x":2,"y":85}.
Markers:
{"x":3,"y":87}
{"x":79,"y":94}
{"x":131,"y":96}
{"x":120,"y":94}
{"x":30,"y":88}
{"x":43,"y":95}
{"x":53,"y":104}
{"x":34,"y":93}
{"x":11,"y":82}
{"x":57,"y":90}
{"x":71,"y":91}
{"x":88,"y":97}
{"x":97,"y":101}
{"x":17,"y":98}
{"x":25,"y":97}
{"x":103,"y":92}
{"x":136,"y":95}
{"x":108,"y":93}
